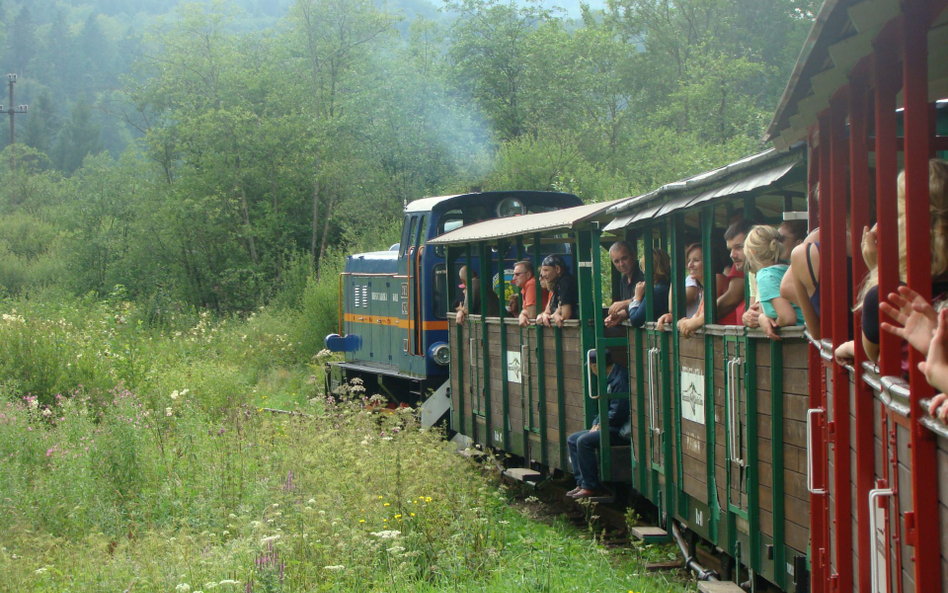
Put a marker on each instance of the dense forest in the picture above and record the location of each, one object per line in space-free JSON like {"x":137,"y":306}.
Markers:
{"x":223,"y":154}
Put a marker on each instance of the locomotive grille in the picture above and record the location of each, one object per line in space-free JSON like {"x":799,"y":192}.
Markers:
{"x":356,"y":290}
{"x":365,"y":296}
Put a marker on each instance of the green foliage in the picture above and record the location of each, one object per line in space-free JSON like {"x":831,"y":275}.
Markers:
{"x":176,"y":476}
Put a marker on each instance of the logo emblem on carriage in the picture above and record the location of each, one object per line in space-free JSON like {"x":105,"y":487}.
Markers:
{"x":692,"y":394}
{"x":514,"y":367}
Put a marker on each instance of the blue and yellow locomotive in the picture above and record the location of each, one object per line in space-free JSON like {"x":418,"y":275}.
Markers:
{"x":393,"y":304}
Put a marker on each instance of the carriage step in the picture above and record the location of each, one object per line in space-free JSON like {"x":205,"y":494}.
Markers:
{"x":523,"y":474}
{"x":650,"y":534}
{"x":719,"y":587}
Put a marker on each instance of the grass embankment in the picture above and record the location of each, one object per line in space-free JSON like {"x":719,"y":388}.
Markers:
{"x":140,"y":462}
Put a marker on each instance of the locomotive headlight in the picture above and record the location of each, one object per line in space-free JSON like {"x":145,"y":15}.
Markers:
{"x":440,"y":353}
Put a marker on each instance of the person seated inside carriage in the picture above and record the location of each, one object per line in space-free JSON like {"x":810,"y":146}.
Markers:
{"x":564,"y":292}
{"x":583,"y":445}
{"x":622,"y":254}
{"x":765,"y":255}
{"x":661,"y":275}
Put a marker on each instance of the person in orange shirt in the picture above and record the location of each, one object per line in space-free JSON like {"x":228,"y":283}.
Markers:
{"x":525,"y":280}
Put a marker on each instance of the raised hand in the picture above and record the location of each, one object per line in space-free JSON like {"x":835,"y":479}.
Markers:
{"x":935,"y":366}
{"x":916,"y":316}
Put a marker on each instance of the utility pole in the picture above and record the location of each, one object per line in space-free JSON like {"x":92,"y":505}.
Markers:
{"x":13,"y":111}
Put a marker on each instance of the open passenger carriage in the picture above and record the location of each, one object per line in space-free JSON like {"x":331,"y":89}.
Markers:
{"x":879,"y":485}
{"x":719,"y":417}
{"x":693,"y":453}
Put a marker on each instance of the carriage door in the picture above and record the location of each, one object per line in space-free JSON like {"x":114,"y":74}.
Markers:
{"x":736,"y":443}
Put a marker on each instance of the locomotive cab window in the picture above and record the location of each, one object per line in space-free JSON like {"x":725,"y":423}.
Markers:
{"x":408,"y":236}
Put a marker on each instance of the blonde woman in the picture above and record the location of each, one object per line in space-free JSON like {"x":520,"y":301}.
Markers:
{"x":868,"y":299}
{"x":764,"y":255}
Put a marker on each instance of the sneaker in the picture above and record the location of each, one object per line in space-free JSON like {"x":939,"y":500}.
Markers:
{"x":573,"y":492}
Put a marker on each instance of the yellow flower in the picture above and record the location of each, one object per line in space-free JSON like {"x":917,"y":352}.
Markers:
{"x":427,"y":499}
{"x":361,"y":520}
{"x":412,"y":514}
{"x":387,"y":504}
{"x":398,"y":516}
{"x":380,"y":497}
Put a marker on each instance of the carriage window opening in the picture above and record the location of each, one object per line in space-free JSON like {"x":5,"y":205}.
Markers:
{"x":440,"y":296}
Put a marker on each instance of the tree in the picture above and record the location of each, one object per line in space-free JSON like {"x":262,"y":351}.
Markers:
{"x":80,"y":136}
{"x":42,"y":125}
{"x":23,"y":41}
{"x":489,"y":48}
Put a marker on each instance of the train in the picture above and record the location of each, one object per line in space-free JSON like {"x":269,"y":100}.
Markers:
{"x":799,"y":470}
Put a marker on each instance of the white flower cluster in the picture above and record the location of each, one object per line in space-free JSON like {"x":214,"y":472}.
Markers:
{"x":387,"y":534}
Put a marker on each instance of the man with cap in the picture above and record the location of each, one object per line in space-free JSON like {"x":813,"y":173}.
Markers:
{"x":582,"y":445}
{"x":564,"y":292}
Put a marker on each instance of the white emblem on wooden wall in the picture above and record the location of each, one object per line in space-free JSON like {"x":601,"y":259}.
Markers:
{"x":692,"y":394}
{"x":514,"y":369}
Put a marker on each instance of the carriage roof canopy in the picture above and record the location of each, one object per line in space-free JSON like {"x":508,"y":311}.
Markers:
{"x":512,"y":226}
{"x":842,"y":35}
{"x":750,"y":173}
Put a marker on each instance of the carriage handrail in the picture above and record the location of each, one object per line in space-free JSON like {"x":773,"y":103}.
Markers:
{"x":896,"y":389}
{"x":589,"y":380}
{"x":931,"y":423}
{"x":874,"y":496}
{"x":810,"y":478}
{"x":652,"y":385}
{"x":734,"y":415}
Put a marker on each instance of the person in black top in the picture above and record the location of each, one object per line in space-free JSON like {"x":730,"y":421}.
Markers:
{"x":564,"y":292}
{"x":622,"y":254}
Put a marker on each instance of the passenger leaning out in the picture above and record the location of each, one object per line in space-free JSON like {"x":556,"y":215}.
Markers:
{"x":730,"y":302}
{"x":622,"y":254}
{"x":524,"y":304}
{"x":764,"y":254}
{"x":661,"y":275}
{"x":694,"y":287}
{"x":471,"y":303}
{"x":564,"y":292}
{"x":907,"y":300}
{"x":792,"y":233}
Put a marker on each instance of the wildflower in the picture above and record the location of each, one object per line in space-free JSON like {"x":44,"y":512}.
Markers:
{"x":183,"y":588}
{"x":168,"y":411}
{"x":174,"y":394}
{"x":395,"y":550}
{"x":41,"y":570}
{"x":227,"y":582}
{"x":388,"y":534}
{"x":387,"y":504}
{"x":412,"y":514}
{"x":361,"y":520}
{"x":334,"y":567}
{"x":398,"y":516}
{"x":427,"y":499}
{"x":269,"y":539}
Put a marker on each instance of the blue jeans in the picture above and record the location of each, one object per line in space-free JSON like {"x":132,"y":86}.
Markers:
{"x":582,"y":447}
